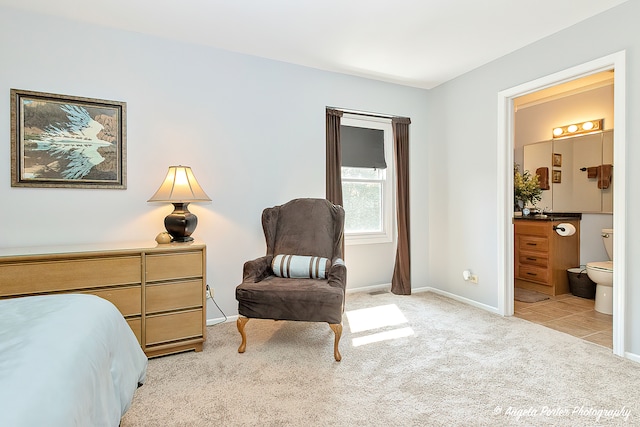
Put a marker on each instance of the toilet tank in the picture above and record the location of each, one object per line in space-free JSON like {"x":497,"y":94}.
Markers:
{"x":607,"y":238}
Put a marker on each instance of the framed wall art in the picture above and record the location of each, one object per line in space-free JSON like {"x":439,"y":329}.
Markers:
{"x":557,"y":159}
{"x":557,"y":177}
{"x":67,"y":141}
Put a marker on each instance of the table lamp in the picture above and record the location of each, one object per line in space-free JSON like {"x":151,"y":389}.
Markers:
{"x":180,"y":187}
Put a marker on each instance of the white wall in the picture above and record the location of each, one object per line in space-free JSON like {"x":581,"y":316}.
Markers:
{"x":534,"y":123}
{"x":463,"y":136}
{"x":253,"y":130}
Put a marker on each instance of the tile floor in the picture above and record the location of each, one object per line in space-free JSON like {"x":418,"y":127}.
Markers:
{"x":570,"y":314}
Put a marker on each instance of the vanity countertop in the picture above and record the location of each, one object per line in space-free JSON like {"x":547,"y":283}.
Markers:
{"x":550,"y":216}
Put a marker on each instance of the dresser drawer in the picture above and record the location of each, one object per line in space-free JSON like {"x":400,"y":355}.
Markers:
{"x":173,"y":266}
{"x":136,"y":326}
{"x":174,"y":295}
{"x":534,"y":258}
{"x":127,"y":299}
{"x":163,"y":328}
{"x":533,"y":243}
{"x":533,"y":274}
{"x":532,"y":228}
{"x":70,"y":274}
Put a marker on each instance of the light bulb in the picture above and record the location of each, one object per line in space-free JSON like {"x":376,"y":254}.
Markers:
{"x":557,"y":131}
{"x":572,"y":128}
{"x":587,"y":125}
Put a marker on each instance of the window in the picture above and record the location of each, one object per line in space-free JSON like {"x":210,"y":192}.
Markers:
{"x":367,"y":179}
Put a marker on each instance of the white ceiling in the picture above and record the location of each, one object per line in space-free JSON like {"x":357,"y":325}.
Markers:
{"x":420,"y":43}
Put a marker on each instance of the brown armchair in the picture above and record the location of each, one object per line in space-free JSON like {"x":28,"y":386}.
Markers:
{"x":308,"y":227}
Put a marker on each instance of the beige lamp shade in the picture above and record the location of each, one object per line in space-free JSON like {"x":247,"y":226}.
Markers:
{"x":180,"y":185}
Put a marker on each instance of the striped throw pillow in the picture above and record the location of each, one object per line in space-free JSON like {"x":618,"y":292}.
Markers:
{"x":300,"y":267}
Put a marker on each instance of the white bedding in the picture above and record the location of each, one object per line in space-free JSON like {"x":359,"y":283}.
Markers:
{"x":66,"y":360}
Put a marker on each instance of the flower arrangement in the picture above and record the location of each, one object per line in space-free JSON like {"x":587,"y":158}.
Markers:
{"x":526,"y":188}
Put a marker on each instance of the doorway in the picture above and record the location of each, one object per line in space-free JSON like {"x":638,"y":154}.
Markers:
{"x":548,"y":299}
{"x":505,"y":183}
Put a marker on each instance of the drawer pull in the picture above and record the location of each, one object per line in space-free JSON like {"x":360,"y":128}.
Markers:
{"x":531,"y":274}
{"x":532,"y":244}
{"x":531,"y":259}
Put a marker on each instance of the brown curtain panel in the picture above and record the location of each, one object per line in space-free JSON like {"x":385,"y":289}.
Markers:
{"x":401,"y":281}
{"x":334,"y":157}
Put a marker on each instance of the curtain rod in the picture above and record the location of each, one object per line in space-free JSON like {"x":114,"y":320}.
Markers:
{"x":363,"y":113}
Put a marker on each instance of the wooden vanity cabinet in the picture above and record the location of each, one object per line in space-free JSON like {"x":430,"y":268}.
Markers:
{"x":542,"y":256}
{"x":159,"y":289}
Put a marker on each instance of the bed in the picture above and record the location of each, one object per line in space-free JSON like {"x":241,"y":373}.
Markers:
{"x":66,"y":360}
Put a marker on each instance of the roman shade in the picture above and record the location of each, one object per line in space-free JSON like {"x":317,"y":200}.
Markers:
{"x":362,"y":147}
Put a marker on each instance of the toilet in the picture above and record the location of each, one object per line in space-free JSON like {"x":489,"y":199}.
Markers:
{"x":601,"y":272}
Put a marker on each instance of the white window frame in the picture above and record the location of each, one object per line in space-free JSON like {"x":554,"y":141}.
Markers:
{"x":387,"y":235}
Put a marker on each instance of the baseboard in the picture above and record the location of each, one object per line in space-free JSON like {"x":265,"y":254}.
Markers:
{"x":459,"y":298}
{"x":374,"y":288}
{"x":387,"y":287}
{"x":632,"y":356}
{"x":211,"y":322}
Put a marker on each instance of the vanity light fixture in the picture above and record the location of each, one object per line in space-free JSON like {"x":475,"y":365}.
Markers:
{"x":578,"y":128}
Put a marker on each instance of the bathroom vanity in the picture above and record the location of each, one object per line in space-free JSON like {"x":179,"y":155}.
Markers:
{"x":542,"y":256}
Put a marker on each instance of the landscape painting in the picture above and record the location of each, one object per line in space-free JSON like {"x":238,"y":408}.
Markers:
{"x":67,"y":141}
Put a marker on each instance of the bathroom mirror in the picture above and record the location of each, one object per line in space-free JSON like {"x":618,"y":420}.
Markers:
{"x":577,"y":172}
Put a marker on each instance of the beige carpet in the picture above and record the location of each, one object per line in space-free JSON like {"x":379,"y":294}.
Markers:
{"x":449,"y":365}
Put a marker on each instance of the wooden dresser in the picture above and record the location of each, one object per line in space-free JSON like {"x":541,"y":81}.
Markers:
{"x":542,"y":257}
{"x":159,"y":289}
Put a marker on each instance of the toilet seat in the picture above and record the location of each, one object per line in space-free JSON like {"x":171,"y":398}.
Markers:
{"x":604,"y":266}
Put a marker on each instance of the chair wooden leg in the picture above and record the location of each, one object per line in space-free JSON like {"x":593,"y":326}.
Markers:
{"x":240,"y":324}
{"x":337,"y":330}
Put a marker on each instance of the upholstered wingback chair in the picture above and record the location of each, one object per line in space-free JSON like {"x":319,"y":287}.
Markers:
{"x":311,"y":230}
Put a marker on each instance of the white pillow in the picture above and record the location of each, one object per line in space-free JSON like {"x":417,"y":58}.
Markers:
{"x":300,"y":266}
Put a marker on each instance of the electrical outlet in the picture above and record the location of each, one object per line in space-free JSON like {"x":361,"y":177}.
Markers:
{"x":209,"y":292}
{"x":473,"y":278}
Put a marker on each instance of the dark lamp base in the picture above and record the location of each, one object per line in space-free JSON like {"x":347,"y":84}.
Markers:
{"x":182,"y":239}
{"x":181,"y":223}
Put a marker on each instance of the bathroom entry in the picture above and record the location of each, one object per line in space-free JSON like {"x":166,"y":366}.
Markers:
{"x":546,"y":298}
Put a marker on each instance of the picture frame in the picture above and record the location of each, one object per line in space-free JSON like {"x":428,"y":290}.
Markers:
{"x":67,"y":141}
{"x":557,"y":159}
{"x":556,"y":177}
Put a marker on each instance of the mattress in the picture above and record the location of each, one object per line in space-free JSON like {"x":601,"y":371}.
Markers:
{"x":66,"y":360}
